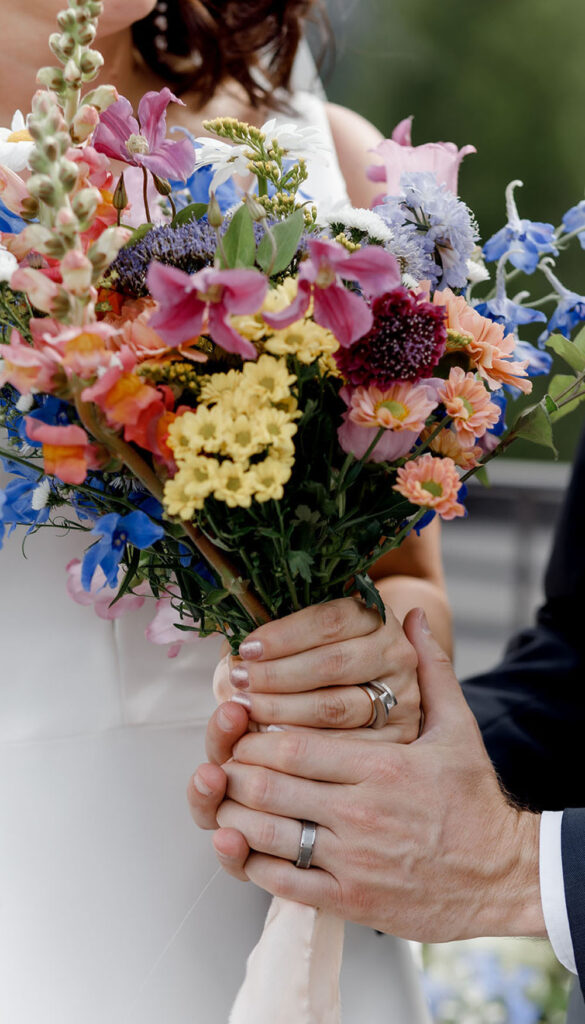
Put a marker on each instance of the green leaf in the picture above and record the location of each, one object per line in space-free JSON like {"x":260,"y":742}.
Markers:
{"x":304,"y":514}
{"x":370,"y":593}
{"x":534,"y":425}
{"x":550,"y":404}
{"x":195,"y":211}
{"x":286,"y":235}
{"x":482,"y":475}
{"x":579,"y":341}
{"x":300,"y":563}
{"x":558,"y":386}
{"x":239,"y":243}
{"x":129,"y":577}
{"x":137,"y":234}
{"x":568,"y":351}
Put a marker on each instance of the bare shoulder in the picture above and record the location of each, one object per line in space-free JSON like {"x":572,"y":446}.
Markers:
{"x":354,"y":137}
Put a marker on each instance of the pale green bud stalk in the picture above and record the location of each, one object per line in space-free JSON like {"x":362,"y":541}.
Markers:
{"x":72,"y":74}
{"x":214,"y":214}
{"x":41,"y":187}
{"x":62,"y":46}
{"x":68,"y":174}
{"x":76,"y":270}
{"x":107,"y":246}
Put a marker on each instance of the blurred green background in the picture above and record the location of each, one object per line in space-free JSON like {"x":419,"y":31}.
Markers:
{"x":505,"y":75}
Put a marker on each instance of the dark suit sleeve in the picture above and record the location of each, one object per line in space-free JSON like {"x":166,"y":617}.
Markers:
{"x":531,"y":707}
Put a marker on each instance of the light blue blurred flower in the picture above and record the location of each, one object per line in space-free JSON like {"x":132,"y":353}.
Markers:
{"x":522,"y":242}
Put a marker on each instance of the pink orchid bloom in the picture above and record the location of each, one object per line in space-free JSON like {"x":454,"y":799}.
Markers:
{"x":399,"y":155}
{"x":100,"y":595}
{"x":163,"y":628}
{"x":194,"y":304}
{"x":321,"y":277}
{"x":142,"y":141}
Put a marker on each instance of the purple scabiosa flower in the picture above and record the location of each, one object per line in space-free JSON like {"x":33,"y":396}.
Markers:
{"x":443,"y":221}
{"x":574,"y":221}
{"x":406,"y":341}
{"x":142,"y":141}
{"x":522,"y":242}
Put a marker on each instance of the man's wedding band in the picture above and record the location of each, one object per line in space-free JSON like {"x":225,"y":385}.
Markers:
{"x":307,"y":844}
{"x":383,"y":700}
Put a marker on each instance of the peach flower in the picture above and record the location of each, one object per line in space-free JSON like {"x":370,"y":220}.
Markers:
{"x":448,"y":443}
{"x":466,"y":400}
{"x":484,"y":342}
{"x":132,"y":323}
{"x":402,"y":406}
{"x":433,"y":483}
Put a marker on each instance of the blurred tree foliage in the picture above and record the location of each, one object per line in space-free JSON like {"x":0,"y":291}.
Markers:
{"x":505,"y":75}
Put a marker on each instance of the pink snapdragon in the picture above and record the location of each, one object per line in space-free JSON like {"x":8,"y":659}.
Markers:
{"x":142,"y":142}
{"x":398,"y":156}
{"x":201,"y":303}
{"x":13,"y":191}
{"x":67,"y":451}
{"x":163,"y":628}
{"x":27,"y":368}
{"x":321,"y":277}
{"x":100,"y":595}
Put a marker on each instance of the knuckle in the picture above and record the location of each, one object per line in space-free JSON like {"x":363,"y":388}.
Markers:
{"x":331,"y":664}
{"x":293,"y":751}
{"x":259,"y":788}
{"x":331,"y":709}
{"x":266,"y":836}
{"x":331,"y":619}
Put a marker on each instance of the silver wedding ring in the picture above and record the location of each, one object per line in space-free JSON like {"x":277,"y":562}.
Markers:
{"x":307,"y":844}
{"x":383,"y":700}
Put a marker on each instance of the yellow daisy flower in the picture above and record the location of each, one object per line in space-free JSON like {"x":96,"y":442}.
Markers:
{"x":270,"y":377}
{"x":277,"y":426}
{"x":245,"y":437}
{"x":235,"y":484}
{"x":269,"y":477}
{"x":176,"y":500}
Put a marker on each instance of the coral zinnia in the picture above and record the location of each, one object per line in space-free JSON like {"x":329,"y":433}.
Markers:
{"x":405,"y":342}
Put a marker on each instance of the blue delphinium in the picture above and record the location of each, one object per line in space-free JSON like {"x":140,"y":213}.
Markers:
{"x":9,"y":221}
{"x":570,"y":308}
{"x":574,"y":220}
{"x":18,"y":501}
{"x":522,"y":241}
{"x":114,"y":533}
{"x":446,"y":226}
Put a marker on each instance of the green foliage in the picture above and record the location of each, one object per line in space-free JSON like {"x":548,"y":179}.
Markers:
{"x":195,"y":211}
{"x":238,"y":243}
{"x":274,"y":257}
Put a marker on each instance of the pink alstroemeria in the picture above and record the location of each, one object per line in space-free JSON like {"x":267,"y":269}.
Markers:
{"x":399,"y":155}
{"x":142,"y":141}
{"x":100,"y":595}
{"x":194,"y":304}
{"x":344,"y":313}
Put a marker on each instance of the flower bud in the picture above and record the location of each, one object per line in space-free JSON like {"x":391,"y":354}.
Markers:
{"x":66,"y":220}
{"x":55,"y":247}
{"x":66,"y":21}
{"x":95,"y":8}
{"x":72,"y":74}
{"x":76,"y":271}
{"x":108,"y":245}
{"x":51,"y":78}
{"x":102,"y":97}
{"x":86,"y":34}
{"x":162,"y":186}
{"x":29,"y":208}
{"x":41,"y":186}
{"x":256,"y":211}
{"x":68,"y":174}
{"x":84,"y":122}
{"x":120,"y":197}
{"x":90,"y":63}
{"x":85,"y":203}
{"x":214,"y":214}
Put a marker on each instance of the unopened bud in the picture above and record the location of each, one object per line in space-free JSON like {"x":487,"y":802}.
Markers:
{"x":162,"y":186}
{"x":66,"y":220}
{"x":61,"y":306}
{"x":51,"y":78}
{"x":108,"y":245}
{"x":29,"y":209}
{"x":86,"y":34}
{"x":84,"y":123}
{"x":41,"y":186}
{"x":90,"y":63}
{"x":86,"y":202}
{"x":214,"y":214}
{"x":55,"y":247}
{"x":76,"y":271}
{"x":256,"y":211}
{"x":102,"y":97}
{"x":68,"y":174}
{"x":95,"y":8}
{"x":72,"y":74}
{"x":67,"y":21}
{"x":120,"y":197}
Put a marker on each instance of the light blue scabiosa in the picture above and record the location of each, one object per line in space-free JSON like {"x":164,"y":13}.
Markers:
{"x":522,"y":242}
{"x":114,"y":533}
{"x":443,"y":221}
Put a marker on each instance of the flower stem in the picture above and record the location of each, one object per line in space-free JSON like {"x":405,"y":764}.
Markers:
{"x":145,"y":194}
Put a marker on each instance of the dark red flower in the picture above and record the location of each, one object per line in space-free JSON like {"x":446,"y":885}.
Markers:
{"x":406,"y":341}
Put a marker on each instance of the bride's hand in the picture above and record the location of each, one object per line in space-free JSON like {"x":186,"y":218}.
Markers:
{"x":306,"y":669}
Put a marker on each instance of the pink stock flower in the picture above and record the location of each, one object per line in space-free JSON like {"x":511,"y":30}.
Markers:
{"x":467,"y":401}
{"x":342,"y":312}
{"x":433,"y":483}
{"x":100,"y":595}
{"x":399,"y":156}
{"x":163,"y":628}
{"x":142,"y":142}
{"x":402,"y":406}
{"x":195,"y":304}
{"x":484,"y":342}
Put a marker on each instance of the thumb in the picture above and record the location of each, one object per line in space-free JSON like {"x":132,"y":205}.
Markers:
{"x":441,"y":695}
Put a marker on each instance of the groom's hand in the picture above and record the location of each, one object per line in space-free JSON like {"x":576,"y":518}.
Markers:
{"x":417,"y":840}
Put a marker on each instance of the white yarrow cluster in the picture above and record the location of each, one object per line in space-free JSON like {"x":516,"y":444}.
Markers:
{"x":361,"y":220}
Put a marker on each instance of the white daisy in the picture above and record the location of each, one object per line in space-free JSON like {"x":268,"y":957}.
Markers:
{"x":16,"y":144}
{"x":361,"y":220}
{"x":8,"y":264}
{"x":225,"y":159}
{"x":295,"y":141}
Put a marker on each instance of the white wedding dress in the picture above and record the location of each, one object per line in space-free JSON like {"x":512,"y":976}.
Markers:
{"x":99,"y":859}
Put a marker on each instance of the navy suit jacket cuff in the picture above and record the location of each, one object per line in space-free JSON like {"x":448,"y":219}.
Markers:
{"x":573,"y":849}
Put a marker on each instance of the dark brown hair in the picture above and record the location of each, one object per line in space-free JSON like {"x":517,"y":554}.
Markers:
{"x":196,"y":45}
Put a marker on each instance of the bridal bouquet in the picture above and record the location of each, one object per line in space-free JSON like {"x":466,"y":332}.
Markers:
{"x":244,"y":402}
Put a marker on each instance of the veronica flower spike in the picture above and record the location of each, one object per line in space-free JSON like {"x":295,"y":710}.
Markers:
{"x":142,"y":141}
{"x":201,"y":303}
{"x":522,"y":241}
{"x":343,"y":312}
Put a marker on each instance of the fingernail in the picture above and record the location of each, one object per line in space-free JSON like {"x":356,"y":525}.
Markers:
{"x":224,"y":721}
{"x":241,"y":698}
{"x":251,"y":650}
{"x":424,"y":623}
{"x":240,"y":677}
{"x":200,"y":785}
{"x":275,"y":728}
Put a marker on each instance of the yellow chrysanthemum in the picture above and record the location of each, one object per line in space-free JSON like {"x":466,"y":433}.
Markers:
{"x":176,"y":500}
{"x":245,"y":436}
{"x":306,"y":340}
{"x":235,"y":484}
{"x":282,"y":296}
{"x":269,"y":477}
{"x":253,"y":327}
{"x":276,"y":425}
{"x":218,"y":385}
{"x":328,"y":367}
{"x":203,"y":475}
{"x":200,"y":431}
{"x":270,"y":377}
